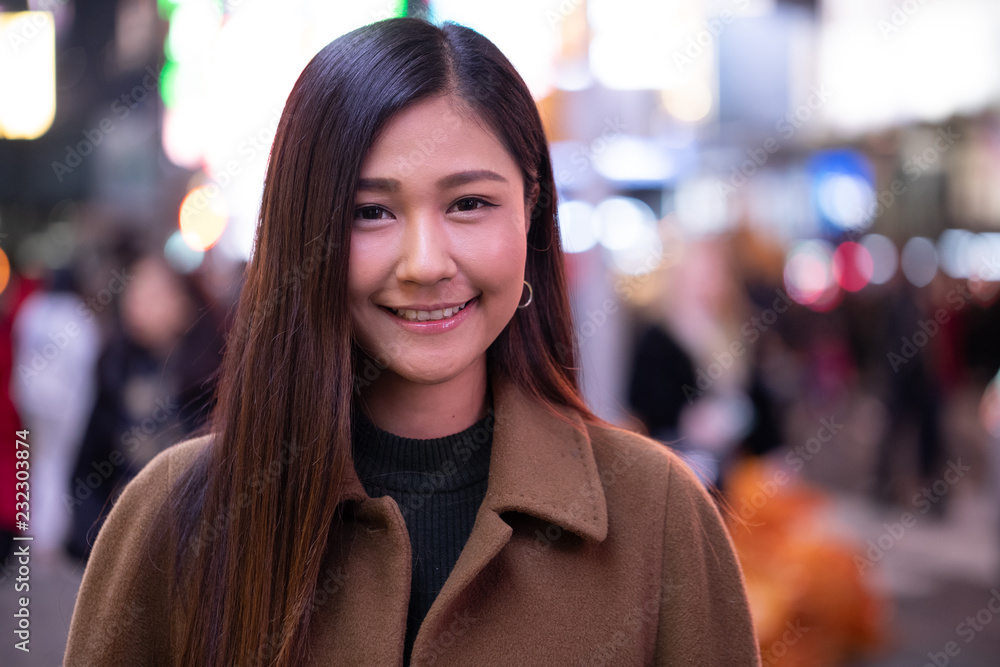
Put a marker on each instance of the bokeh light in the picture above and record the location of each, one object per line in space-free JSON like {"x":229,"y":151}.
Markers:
{"x":953,"y":246}
{"x":984,"y":256}
{"x":641,"y":257}
{"x":621,"y":221}
{"x":182,"y":256}
{"x":808,"y":271}
{"x":27,"y":74}
{"x":852,"y":266}
{"x":4,"y":270}
{"x":919,"y":261}
{"x":700,"y":208}
{"x":627,"y":230}
{"x":885,"y":258}
{"x":576,"y":226}
{"x":690,"y":102}
{"x":843,"y":188}
{"x":203,"y":217}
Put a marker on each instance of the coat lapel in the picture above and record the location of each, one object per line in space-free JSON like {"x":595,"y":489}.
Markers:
{"x":540,"y":465}
{"x":544,"y":466}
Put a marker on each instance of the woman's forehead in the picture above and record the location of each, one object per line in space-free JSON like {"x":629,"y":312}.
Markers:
{"x":434,"y":139}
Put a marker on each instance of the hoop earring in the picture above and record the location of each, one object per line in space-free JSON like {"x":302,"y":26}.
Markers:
{"x":531,"y":295}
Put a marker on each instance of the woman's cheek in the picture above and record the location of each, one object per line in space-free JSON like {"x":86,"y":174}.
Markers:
{"x":511,"y":245}
{"x":367,"y":258}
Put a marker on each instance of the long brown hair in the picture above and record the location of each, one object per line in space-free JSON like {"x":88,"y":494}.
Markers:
{"x":254,"y":514}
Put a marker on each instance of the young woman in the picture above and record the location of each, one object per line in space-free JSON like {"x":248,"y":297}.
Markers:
{"x":401,"y":469}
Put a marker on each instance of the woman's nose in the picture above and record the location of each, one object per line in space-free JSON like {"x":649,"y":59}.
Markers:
{"x":425,"y":251}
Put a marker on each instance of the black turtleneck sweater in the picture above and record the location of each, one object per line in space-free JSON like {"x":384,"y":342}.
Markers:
{"x":439,"y":484}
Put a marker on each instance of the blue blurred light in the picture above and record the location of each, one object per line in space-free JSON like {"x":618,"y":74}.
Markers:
{"x":843,"y":189}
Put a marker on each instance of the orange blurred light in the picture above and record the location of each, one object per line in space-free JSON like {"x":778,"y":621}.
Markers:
{"x":203,"y":217}
{"x":4,"y":270}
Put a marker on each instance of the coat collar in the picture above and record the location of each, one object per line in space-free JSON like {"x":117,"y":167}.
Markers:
{"x":540,"y":465}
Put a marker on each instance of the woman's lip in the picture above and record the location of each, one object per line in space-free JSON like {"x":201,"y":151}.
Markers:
{"x":435,"y":326}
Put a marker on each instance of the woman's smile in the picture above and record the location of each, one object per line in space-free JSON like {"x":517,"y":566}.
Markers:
{"x":432,"y":321}
{"x":418,"y":313}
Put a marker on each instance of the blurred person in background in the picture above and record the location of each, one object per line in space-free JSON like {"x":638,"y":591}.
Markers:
{"x":152,"y":389}
{"x":660,"y":371}
{"x":914,"y":400}
{"x":691,"y":368}
{"x":772,"y":371}
{"x":56,"y":343}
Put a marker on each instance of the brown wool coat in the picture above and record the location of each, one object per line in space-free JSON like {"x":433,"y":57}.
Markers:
{"x":597,"y":550}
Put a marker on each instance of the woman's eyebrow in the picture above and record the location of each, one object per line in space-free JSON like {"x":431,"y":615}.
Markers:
{"x":450,"y":181}
{"x":463,"y":177}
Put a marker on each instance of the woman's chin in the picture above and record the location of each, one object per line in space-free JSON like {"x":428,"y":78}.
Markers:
{"x":428,"y":376}
{"x":435,"y":371}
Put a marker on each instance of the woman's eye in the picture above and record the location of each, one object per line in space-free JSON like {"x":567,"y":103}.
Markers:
{"x":471,"y":204}
{"x":370,"y":213}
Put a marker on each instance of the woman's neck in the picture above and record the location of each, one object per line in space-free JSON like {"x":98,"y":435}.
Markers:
{"x":421,"y":411}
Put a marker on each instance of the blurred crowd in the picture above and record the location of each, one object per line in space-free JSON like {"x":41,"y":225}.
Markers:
{"x":892,"y":396}
{"x":102,"y":379}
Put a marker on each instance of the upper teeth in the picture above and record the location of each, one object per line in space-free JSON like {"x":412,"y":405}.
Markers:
{"x":429,"y":315}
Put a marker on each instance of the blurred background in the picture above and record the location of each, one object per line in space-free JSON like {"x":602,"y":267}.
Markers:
{"x":782,"y":221}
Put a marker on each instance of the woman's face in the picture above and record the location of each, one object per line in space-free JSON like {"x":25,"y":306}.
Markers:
{"x":439,"y":222}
